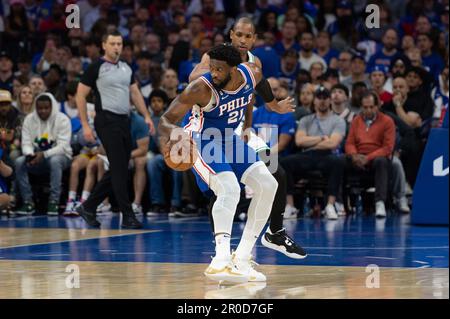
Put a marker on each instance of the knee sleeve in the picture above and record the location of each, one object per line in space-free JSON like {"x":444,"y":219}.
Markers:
{"x":227,"y":190}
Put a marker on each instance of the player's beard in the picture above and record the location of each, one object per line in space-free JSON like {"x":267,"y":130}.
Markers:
{"x":222,"y":84}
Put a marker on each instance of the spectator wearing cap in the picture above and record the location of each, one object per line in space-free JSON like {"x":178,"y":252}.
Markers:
{"x":54,"y":82}
{"x":307,"y":55}
{"x":289,"y":67}
{"x":388,"y":50}
{"x":324,"y":50}
{"x":358,"y":71}
{"x":370,"y":144}
{"x":10,"y":123}
{"x":156,"y":167}
{"x":343,"y":30}
{"x":288,"y":39}
{"x":340,"y":103}
{"x":431,"y":60}
{"x":6,"y":72}
{"x":169,"y":84}
{"x":377,"y":80}
{"x":319,"y":135}
{"x":345,"y":66}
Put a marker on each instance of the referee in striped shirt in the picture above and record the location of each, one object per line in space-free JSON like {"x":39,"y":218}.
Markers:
{"x":113,"y":84}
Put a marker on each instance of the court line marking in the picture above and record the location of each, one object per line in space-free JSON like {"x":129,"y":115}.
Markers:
{"x":420,"y":262}
{"x":375,"y":257}
{"x":81,"y":239}
{"x":435,"y":256}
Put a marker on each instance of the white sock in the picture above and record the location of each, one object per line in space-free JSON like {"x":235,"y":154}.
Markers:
{"x":72,"y":196}
{"x":222,"y":246}
{"x":85,"y":195}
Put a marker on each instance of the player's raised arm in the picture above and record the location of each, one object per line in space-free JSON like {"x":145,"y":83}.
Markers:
{"x":200,"y":69}
{"x":263,"y":89}
{"x":196,"y":92}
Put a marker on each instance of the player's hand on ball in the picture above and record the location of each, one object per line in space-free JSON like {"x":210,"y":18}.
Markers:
{"x":285,"y":106}
{"x":180,"y":152}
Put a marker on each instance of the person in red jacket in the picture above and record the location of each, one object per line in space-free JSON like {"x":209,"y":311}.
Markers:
{"x":369,"y":146}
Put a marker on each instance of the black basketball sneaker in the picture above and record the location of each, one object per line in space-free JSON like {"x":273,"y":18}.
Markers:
{"x":281,"y":242}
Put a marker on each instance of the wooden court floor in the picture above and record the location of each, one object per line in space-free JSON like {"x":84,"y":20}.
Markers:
{"x":55,"y":257}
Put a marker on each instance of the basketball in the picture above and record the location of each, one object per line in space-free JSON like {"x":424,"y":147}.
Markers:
{"x":182,"y":156}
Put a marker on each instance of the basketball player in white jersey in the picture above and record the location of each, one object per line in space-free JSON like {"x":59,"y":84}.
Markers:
{"x":243,"y":38}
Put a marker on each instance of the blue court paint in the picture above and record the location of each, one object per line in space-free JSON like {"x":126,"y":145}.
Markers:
{"x":351,"y":241}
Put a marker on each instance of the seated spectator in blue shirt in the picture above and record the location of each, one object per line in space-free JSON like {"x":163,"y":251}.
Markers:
{"x":266,"y":123}
{"x":186,"y":67}
{"x":431,"y":61}
{"x":156,"y":166}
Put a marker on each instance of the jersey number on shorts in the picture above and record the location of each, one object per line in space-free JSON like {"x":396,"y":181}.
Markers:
{"x":236,"y":116}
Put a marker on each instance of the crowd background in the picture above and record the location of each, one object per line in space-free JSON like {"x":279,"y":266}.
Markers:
{"x":303,"y":46}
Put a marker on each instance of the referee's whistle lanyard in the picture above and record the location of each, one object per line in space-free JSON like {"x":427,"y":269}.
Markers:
{"x":317,"y":121}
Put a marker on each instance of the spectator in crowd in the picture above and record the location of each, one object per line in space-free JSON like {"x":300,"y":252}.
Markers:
{"x":140,"y":143}
{"x":289,"y":67}
{"x":153,"y":47}
{"x":196,"y":28}
{"x":358,"y":72}
{"x":288,"y":38}
{"x":330,"y":78}
{"x":92,"y":51}
{"x":340,"y":104}
{"x":24,"y":101}
{"x":54,"y":82}
{"x":81,"y":162}
{"x":431,"y":60}
{"x":6,"y":72}
{"x":267,"y":55}
{"x":54,"y":22}
{"x":377,"y":79}
{"x":408,"y":43}
{"x":37,"y":85}
{"x":410,"y":106}
{"x":266,"y":123}
{"x":24,"y":69}
{"x":98,"y":12}
{"x":45,"y":146}
{"x":317,"y":71}
{"x":370,"y":144}
{"x":358,"y":89}
{"x":156,"y":167}
{"x":307,"y":56}
{"x":17,"y":26}
{"x":398,"y":67}
{"x":169,"y":84}
{"x":10,"y":128}
{"x":440,"y":97}
{"x":388,"y":51}
{"x":74,"y":69}
{"x":345,"y":66}
{"x":324,"y":50}
{"x":343,"y":31}
{"x":142,"y":74}
{"x":319,"y":135}
{"x":305,"y":102}
{"x":5,"y":172}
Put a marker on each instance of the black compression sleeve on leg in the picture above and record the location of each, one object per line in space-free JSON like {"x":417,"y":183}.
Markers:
{"x":264,"y":90}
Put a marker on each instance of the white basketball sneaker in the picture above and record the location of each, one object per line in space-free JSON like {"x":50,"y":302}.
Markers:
{"x":245,"y":267}
{"x":219,"y":270}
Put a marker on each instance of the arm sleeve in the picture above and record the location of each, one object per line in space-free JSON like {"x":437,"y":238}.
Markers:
{"x":264,"y":90}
